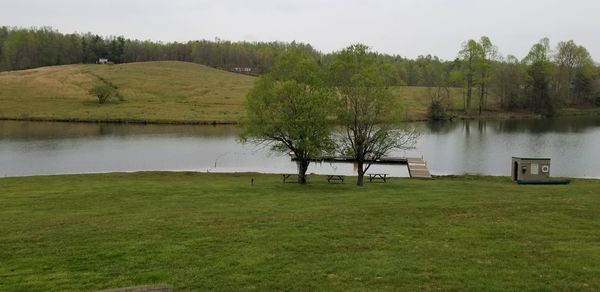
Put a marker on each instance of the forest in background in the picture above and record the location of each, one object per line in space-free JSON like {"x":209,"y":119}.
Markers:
{"x":547,"y":79}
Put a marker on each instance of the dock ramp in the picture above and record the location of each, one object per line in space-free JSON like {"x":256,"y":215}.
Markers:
{"x":417,"y":168}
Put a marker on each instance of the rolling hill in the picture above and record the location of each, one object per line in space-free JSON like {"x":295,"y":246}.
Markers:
{"x":154,"y":92}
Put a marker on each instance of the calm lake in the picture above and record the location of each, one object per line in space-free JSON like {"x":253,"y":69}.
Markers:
{"x":474,"y":147}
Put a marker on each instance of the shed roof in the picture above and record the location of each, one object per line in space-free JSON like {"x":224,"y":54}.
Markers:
{"x":530,"y":158}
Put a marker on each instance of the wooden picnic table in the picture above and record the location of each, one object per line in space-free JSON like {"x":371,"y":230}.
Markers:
{"x":335,"y":178}
{"x":294,"y":177}
{"x":378,"y":176}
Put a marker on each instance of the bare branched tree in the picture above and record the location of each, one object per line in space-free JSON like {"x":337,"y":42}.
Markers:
{"x":369,"y":113}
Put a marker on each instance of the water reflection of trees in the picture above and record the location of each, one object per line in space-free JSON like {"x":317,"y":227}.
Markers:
{"x":562,"y":125}
{"x":441,"y":127}
{"x":445,"y":127}
{"x":16,"y":130}
{"x":559,"y":125}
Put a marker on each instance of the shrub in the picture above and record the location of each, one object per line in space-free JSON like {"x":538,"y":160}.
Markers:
{"x":436,"y":111}
{"x":104,"y":92}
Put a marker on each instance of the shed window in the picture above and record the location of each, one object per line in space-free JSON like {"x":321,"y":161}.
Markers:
{"x":534,"y":168}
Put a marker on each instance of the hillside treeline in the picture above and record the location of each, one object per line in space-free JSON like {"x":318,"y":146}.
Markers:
{"x":22,"y":48}
{"x":543,"y":81}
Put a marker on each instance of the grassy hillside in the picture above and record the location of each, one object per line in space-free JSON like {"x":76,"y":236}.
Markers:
{"x":153,"y":91}
{"x":415,"y":100}
{"x":219,"y":232}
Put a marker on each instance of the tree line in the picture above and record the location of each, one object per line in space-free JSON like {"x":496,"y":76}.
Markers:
{"x":541,"y":82}
{"x":26,"y":48}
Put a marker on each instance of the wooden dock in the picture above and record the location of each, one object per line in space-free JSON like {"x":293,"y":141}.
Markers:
{"x":417,"y":168}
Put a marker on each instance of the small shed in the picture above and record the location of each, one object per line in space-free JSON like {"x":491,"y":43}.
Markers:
{"x":530,"y":168}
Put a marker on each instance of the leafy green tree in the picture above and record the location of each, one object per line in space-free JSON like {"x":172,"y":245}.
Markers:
{"x":575,"y":72}
{"x":437,"y":78}
{"x":488,"y":53}
{"x":290,"y":108}
{"x":583,"y":84}
{"x":584,"y":76}
{"x":470,"y":54}
{"x":367,"y":110}
{"x":477,"y":60}
{"x":508,"y":82}
{"x":540,"y":71}
{"x":596,"y":88}
{"x":392,"y":73}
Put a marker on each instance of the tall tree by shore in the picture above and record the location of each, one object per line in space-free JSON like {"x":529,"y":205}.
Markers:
{"x":367,"y":111}
{"x":540,"y":71}
{"x":470,"y":54}
{"x":289,"y":109}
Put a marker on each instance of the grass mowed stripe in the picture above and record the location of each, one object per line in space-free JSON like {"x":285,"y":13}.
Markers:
{"x":216,"y":231}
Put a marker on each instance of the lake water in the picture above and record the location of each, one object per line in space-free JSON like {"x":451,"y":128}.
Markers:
{"x":474,"y":147}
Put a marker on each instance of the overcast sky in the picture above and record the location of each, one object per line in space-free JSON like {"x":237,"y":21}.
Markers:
{"x":404,"y":27}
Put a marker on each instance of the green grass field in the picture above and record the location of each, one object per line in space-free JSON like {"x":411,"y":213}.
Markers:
{"x":154,"y":92}
{"x":217,"y":232}
{"x":415,"y":100}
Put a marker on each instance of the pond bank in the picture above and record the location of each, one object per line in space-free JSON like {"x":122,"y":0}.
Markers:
{"x":120,"y":121}
{"x":487,"y":115}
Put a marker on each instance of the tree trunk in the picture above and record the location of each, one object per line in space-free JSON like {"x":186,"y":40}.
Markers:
{"x":481,"y":97}
{"x":361,"y":173}
{"x":502,"y":96}
{"x":302,"y":168}
{"x":469,"y":93}
{"x":464,"y":96}
{"x":485,"y":98}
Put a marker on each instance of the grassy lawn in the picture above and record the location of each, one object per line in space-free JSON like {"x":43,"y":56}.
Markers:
{"x":217,"y":232}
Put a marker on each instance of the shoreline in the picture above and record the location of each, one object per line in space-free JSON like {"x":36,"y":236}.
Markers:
{"x":121,"y":121}
{"x":250,"y":174}
{"x":486,"y":116}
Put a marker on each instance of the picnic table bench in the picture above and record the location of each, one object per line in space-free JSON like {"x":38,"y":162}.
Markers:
{"x":335,"y":178}
{"x":378,"y":176}
{"x":294,"y":176}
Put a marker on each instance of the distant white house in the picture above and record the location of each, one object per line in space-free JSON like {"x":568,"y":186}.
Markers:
{"x":102,"y":61}
{"x":241,"y":69}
